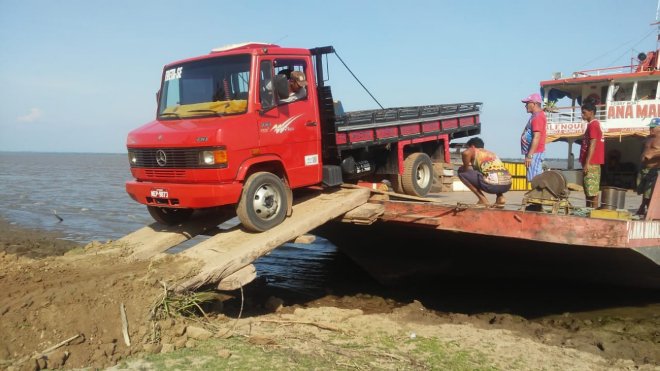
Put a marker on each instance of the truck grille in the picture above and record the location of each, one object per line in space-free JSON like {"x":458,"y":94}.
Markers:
{"x":169,"y":158}
{"x":174,"y":158}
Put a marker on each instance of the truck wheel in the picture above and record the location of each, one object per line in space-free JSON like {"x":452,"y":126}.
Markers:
{"x":263,"y":203}
{"x":417,"y":177}
{"x":168,"y":215}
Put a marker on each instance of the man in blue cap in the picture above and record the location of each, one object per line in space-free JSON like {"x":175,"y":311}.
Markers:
{"x":650,"y":161}
{"x":532,"y":140}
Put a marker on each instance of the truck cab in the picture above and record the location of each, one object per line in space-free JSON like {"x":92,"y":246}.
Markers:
{"x":222,"y":124}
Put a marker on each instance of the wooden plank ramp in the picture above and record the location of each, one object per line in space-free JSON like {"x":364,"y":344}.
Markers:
{"x":227,"y":253}
{"x":156,"y":238}
{"x":226,"y":257}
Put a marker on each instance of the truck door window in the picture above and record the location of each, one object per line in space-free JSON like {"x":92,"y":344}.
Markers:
{"x":284,"y":67}
{"x":205,"y":88}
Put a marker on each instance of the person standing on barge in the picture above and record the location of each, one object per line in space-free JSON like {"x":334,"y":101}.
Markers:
{"x":592,"y":154}
{"x":650,"y":164}
{"x":483,"y":171}
{"x":532,"y":140}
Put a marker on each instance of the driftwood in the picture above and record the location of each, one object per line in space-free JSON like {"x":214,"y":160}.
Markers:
{"x":124,"y":324}
{"x":60,"y":344}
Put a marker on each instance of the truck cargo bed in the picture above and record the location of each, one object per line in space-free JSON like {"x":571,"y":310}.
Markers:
{"x":366,"y":128}
{"x":401,"y":115}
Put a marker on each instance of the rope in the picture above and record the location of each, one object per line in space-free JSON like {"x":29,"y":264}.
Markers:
{"x":358,"y":80}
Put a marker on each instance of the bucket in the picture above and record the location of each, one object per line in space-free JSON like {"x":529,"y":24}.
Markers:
{"x":613,"y":198}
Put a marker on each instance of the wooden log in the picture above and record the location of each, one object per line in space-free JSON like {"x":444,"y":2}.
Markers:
{"x":223,"y":254}
{"x":239,"y":278}
{"x":305,"y":239}
{"x":365,"y":214}
{"x":156,"y":238}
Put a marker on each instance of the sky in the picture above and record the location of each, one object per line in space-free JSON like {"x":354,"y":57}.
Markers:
{"x":77,"y":76}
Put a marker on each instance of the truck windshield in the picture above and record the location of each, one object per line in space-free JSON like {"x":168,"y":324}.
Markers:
{"x":210,"y":87}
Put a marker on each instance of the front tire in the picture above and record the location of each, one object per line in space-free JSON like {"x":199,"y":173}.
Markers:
{"x":417,"y":177}
{"x":168,"y":215}
{"x":264,"y":201}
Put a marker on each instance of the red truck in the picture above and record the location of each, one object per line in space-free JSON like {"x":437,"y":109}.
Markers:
{"x":226,"y":134}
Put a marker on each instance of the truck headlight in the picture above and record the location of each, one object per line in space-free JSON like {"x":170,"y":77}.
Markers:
{"x":132,"y":158}
{"x":214,"y":157}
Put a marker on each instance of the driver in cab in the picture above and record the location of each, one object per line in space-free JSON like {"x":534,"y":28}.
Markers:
{"x":297,"y":87}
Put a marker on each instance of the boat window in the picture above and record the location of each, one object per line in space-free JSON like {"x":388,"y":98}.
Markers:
{"x":647,"y":89}
{"x":623,"y":91}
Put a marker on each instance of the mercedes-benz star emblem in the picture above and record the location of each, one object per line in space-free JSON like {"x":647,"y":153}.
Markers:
{"x":161,"y":157}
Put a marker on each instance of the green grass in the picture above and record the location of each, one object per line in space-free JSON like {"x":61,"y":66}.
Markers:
{"x":342,"y":353}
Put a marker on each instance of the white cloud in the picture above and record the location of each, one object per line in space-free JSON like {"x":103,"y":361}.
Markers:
{"x":34,"y":115}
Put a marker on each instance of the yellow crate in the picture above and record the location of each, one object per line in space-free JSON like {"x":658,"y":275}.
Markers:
{"x":518,"y":173}
{"x":516,"y":168}
{"x":520,"y":183}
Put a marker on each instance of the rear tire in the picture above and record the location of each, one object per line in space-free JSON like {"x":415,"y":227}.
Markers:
{"x":264,"y":201}
{"x":168,"y":215}
{"x":417,"y":177}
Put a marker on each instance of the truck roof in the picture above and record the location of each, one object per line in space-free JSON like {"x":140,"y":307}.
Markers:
{"x":250,"y":47}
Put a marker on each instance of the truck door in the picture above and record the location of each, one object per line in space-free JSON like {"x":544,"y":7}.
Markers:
{"x":290,"y":129}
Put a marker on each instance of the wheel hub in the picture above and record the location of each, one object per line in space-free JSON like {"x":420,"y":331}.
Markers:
{"x":423,"y":176}
{"x":266,"y":202}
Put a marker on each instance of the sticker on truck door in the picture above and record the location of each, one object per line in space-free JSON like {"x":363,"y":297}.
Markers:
{"x":160,"y":193}
{"x":311,"y":160}
{"x":285,"y":126}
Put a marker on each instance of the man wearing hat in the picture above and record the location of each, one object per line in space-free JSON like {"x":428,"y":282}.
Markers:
{"x":297,"y":87}
{"x":532,"y":140}
{"x":650,"y":160}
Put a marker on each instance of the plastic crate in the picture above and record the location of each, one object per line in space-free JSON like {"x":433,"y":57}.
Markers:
{"x":518,"y":173}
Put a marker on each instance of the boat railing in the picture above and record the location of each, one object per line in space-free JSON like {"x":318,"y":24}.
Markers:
{"x":572,"y":115}
{"x":632,"y":67}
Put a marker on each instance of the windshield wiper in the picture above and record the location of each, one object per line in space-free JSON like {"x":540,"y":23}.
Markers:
{"x":207,"y":111}
{"x":170,"y":114}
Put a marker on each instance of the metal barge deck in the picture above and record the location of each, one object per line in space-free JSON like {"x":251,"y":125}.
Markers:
{"x":451,"y":237}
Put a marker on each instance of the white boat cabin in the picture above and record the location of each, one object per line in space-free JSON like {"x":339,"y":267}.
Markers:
{"x":627,"y":99}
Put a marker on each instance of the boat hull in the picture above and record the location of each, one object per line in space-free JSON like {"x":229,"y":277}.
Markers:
{"x":400,"y":252}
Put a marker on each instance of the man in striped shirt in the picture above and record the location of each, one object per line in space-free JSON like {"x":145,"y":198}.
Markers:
{"x":532,"y":140}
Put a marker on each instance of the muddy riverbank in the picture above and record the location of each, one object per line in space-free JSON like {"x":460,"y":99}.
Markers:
{"x":52,"y":297}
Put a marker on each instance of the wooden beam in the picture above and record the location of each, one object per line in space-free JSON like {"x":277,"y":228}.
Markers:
{"x":227,"y":252}
{"x":365,"y":214}
{"x":239,"y":278}
{"x":156,"y":238}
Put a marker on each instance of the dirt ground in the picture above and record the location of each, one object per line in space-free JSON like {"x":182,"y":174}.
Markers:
{"x":61,"y":308}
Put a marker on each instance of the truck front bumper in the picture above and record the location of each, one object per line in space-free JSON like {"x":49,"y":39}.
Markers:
{"x":193,"y":196}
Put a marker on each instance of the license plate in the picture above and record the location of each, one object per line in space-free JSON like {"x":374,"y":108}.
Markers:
{"x":160,"y":193}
